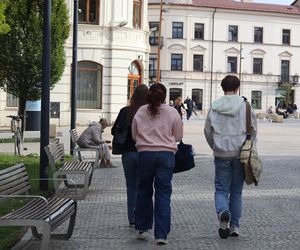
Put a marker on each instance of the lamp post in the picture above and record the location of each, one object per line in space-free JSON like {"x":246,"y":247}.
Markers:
{"x":74,"y":72}
{"x":159,"y":41}
{"x":45,"y":98}
{"x":240,"y":67}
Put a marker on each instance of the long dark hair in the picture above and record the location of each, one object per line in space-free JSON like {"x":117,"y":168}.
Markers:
{"x":157,"y":96}
{"x":138,"y":99}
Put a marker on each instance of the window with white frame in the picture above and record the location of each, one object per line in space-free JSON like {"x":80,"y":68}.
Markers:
{"x":233,"y":33}
{"x":232,"y":64}
{"x":257,"y":65}
{"x":88,"y":11}
{"x":12,"y":100}
{"x":89,"y":85}
{"x":177,"y":30}
{"x":256,"y":99}
{"x":176,"y":61}
{"x":199,"y":31}
{"x":198,"y":63}
{"x":258,"y":34}
{"x":286,"y":37}
{"x":154,"y":32}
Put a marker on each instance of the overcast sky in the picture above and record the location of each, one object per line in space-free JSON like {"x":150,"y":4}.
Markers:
{"x":285,"y":2}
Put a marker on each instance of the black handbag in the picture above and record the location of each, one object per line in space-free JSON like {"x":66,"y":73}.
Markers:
{"x":120,"y":133}
{"x":184,"y":158}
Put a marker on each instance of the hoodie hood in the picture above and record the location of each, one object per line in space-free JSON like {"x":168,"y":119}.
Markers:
{"x":94,"y":124}
{"x":228,"y":105}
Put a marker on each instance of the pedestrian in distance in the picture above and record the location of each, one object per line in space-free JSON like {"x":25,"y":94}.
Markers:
{"x":225,"y":132}
{"x":179,"y":106}
{"x":92,"y":138}
{"x":129,"y":152}
{"x":189,"y":107}
{"x":156,"y":128}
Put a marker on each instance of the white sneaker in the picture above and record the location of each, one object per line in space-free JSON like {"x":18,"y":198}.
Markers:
{"x":161,"y":241}
{"x":143,"y":235}
{"x":234,"y":231}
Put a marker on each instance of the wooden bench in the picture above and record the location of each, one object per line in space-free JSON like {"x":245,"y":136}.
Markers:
{"x":90,"y":154}
{"x":39,"y":213}
{"x":55,"y":152}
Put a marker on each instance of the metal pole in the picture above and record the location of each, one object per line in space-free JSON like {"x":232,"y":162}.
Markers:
{"x":45,"y":100}
{"x":158,"y":46}
{"x":240,"y":68}
{"x":74,"y":72}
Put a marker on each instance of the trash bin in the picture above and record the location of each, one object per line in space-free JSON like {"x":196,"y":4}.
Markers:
{"x":33,"y":113}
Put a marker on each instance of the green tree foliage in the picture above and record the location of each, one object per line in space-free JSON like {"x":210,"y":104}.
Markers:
{"x":21,"y":48}
{"x":4,"y":28}
{"x":286,"y":93}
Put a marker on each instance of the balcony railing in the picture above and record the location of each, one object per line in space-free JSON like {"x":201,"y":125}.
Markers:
{"x":288,"y":79}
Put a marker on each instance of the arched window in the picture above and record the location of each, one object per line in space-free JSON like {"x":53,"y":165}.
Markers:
{"x":89,"y":85}
{"x":256,"y":99}
{"x":88,"y":11}
{"x":137,"y":14}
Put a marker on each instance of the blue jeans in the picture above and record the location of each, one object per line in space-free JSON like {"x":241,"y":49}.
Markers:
{"x":154,"y":167}
{"x":129,"y":161}
{"x":229,"y":181}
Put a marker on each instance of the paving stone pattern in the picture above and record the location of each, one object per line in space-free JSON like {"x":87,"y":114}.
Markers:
{"x":271,"y":217}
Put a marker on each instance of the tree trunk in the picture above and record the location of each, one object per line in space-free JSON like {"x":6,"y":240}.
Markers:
{"x":22,"y":112}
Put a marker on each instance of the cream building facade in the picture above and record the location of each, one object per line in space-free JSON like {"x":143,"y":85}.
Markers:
{"x":113,"y":53}
{"x":203,"y":41}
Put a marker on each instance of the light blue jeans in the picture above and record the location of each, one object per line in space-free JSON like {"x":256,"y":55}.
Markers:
{"x":229,"y":181}
{"x":155,"y":170}
{"x":129,"y":161}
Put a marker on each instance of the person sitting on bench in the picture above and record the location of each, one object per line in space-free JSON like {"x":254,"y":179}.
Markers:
{"x":92,"y":138}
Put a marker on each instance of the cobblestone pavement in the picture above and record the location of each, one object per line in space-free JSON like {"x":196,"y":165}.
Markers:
{"x":271,"y":216}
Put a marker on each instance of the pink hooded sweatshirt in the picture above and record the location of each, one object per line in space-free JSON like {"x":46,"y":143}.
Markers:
{"x":160,"y":133}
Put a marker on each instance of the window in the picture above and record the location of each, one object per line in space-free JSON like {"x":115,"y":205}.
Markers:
{"x":89,"y":85}
{"x":257,"y":65}
{"x":285,"y":70}
{"x":199,"y":31}
{"x":256,"y":99}
{"x":198,"y":63}
{"x":137,"y":14}
{"x":88,"y":11}
{"x":232,"y":64}
{"x":233,"y":33}
{"x":258,"y":35}
{"x":286,"y":36}
{"x":11,"y":100}
{"x":176,"y":61}
{"x":177,"y":30}
{"x":152,"y":66}
{"x":153,"y":37}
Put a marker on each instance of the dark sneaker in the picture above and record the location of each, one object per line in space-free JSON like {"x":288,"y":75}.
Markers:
{"x":224,"y":230}
{"x":234,"y":231}
{"x":161,"y":241}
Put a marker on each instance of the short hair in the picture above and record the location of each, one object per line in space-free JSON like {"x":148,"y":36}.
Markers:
{"x":230,"y":83}
{"x":103,"y":120}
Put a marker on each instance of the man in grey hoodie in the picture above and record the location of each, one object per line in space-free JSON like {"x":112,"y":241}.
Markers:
{"x":92,"y":138}
{"x":225,"y":132}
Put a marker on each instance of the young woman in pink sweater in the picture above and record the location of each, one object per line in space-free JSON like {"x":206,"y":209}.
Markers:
{"x":156,"y":128}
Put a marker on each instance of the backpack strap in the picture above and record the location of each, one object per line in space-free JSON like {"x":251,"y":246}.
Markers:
{"x":248,"y":121}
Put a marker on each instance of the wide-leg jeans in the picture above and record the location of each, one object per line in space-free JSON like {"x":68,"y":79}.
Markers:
{"x":229,"y":181}
{"x":129,"y":161}
{"x":157,"y":168}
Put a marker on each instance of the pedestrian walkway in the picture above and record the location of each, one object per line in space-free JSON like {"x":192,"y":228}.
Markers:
{"x":271,"y":215}
{"x":271,"y":212}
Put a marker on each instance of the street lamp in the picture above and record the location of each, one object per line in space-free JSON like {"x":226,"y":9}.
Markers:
{"x":240,"y":66}
{"x":158,"y":46}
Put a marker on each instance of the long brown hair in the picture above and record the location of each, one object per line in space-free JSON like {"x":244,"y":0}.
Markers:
{"x":157,"y":96}
{"x":138,"y":99}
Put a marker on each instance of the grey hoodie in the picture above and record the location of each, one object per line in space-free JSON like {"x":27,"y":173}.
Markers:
{"x":225,"y":126}
{"x":92,"y":136}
